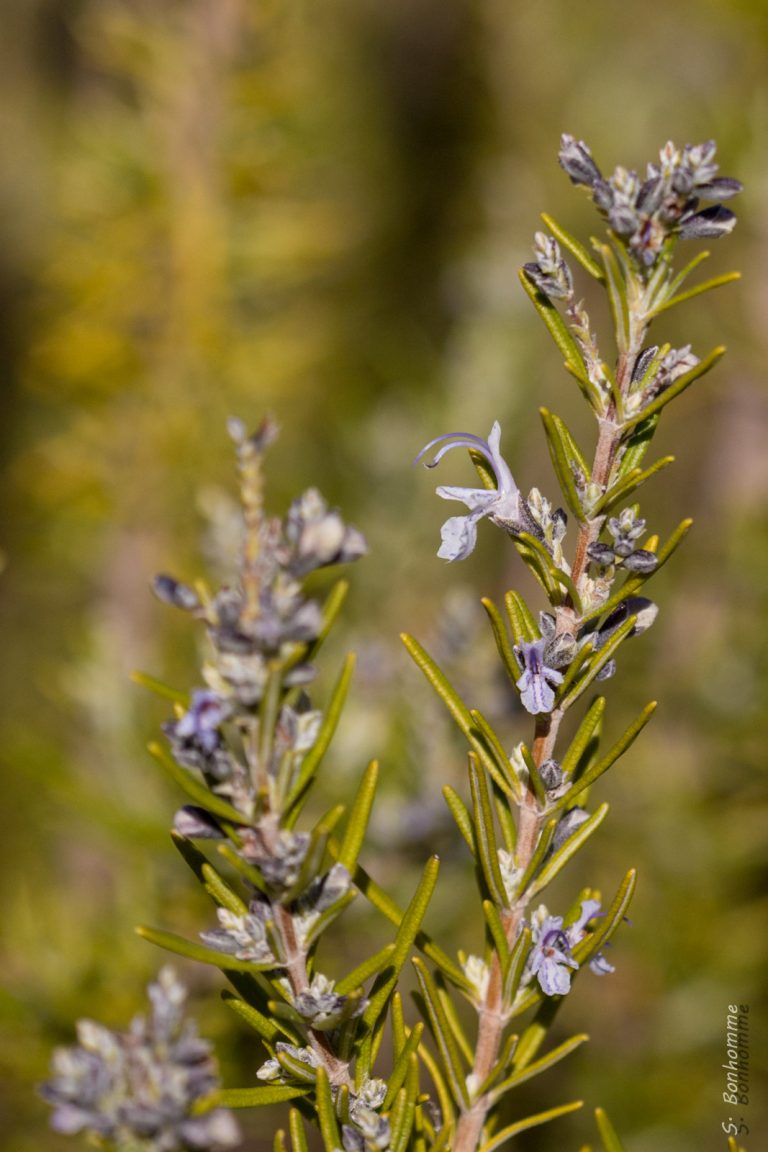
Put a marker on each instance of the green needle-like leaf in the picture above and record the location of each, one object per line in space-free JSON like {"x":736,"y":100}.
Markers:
{"x":574,"y":246}
{"x":526,"y":543}
{"x":585,"y":733}
{"x":566,"y":460}
{"x":706,"y":286}
{"x":617,"y":296}
{"x":637,"y":445}
{"x":370,"y":967}
{"x":513,"y":973}
{"x":316,"y":753}
{"x":401,"y":1064}
{"x":496,"y":760}
{"x":404,"y":942}
{"x":530,"y":1122}
{"x":221,"y":892}
{"x":194,"y":787}
{"x":567,"y":850}
{"x":540,"y":1065}
{"x":298,"y":1135}
{"x":461,"y":815}
{"x":326,"y":1113}
{"x":597,"y":662}
{"x":498,"y":935}
{"x":608,"y":924}
{"x":258,"y":1097}
{"x":559,"y":332}
{"x":542,"y":847}
{"x":450,"y":1056}
{"x":501,"y":637}
{"x":485,"y":833}
{"x":677,"y":388}
{"x":389,"y":908}
{"x":182,"y":947}
{"x":608,"y":1134}
{"x":357,"y":824}
{"x":161,"y":689}
{"x":595,"y":771}
{"x":454,"y":704}
{"x":261,"y":1024}
{"x":521,"y":621}
{"x":629,"y":483}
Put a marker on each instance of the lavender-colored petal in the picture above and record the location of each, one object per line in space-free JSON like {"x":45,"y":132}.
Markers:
{"x":459,"y":536}
{"x":504,"y":478}
{"x":457,"y":440}
{"x":600,"y":966}
{"x":476,"y":499}
{"x":535,"y":694}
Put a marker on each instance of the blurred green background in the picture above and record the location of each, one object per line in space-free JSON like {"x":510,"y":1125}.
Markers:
{"x":215,"y":207}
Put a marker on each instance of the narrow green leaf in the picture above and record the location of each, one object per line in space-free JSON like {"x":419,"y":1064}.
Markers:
{"x":461,"y":815}
{"x":557,"y":329}
{"x":331,"y":608}
{"x":296,"y":1128}
{"x":251,"y":874}
{"x":587,"y":729}
{"x":681,"y":277}
{"x":505,"y":1055}
{"x":444,"y":1097}
{"x":514,"y":971}
{"x":637,"y":445}
{"x":538,"y":1066}
{"x":561,"y":444}
{"x":314,"y":756}
{"x":539,"y":1028}
{"x":485,"y":833}
{"x":617,"y":296}
{"x":530,"y":1122}
{"x":575,"y":668}
{"x":258,"y":1097}
{"x":567,"y":850}
{"x":542,"y":847}
{"x":401,"y":1064}
{"x":521,"y":621}
{"x":327,"y":917}
{"x":574,"y":246}
{"x":439,"y":682}
{"x":401,"y":1119}
{"x":357,"y":824}
{"x":629,"y":484}
{"x":220,"y":891}
{"x":506,"y":820}
{"x":597,"y":662}
{"x":501,"y":637}
{"x":311,"y":865}
{"x":595,"y":771}
{"x":261,"y":1024}
{"x":677,"y":388}
{"x":451,"y":699}
{"x":279,"y":1144}
{"x":449,"y":1052}
{"x":296,"y":1069}
{"x":633,"y":583}
{"x":706,"y":286}
{"x":404,"y":941}
{"x":370,"y":967}
{"x":454,"y":1023}
{"x":496,"y":760}
{"x":540,"y":569}
{"x":326,"y":1113}
{"x":161,"y":689}
{"x":194,"y":787}
{"x":556,"y":575}
{"x":498,"y":935}
{"x":177,"y":944}
{"x":389,"y":908}
{"x":608,"y":924}
{"x":608,"y":1134}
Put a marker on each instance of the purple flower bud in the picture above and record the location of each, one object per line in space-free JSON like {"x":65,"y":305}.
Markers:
{"x":709,"y":224}
{"x":576,"y":159}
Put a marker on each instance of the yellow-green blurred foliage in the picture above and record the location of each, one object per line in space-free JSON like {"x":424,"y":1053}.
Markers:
{"x":216,"y":207}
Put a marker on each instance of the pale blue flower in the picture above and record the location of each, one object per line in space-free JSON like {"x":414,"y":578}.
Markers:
{"x":551,"y":959}
{"x":500,"y":504}
{"x":536,"y":695}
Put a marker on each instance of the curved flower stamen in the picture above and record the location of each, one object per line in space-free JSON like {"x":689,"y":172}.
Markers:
{"x":500,"y":504}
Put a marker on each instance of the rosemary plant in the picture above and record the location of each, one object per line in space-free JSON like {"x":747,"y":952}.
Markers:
{"x":247,"y":746}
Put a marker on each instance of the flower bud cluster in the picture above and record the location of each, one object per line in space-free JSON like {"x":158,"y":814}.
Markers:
{"x":645,"y":214}
{"x":141,"y":1089}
